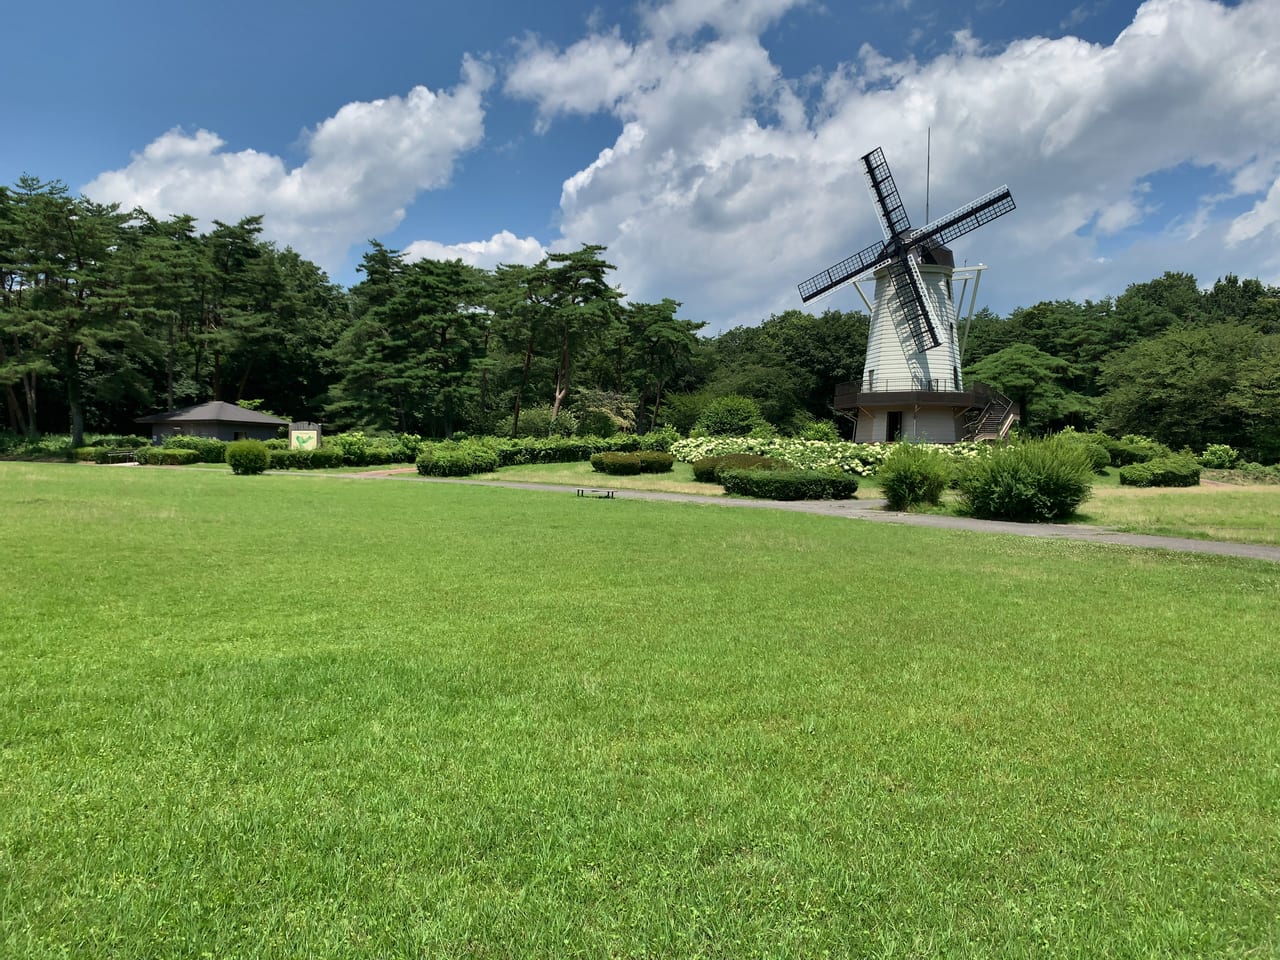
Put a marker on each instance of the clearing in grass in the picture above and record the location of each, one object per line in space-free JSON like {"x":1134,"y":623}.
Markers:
{"x":261,"y":717}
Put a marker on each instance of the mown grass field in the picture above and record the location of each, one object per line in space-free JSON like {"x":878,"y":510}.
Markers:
{"x":1244,"y":514}
{"x":289,"y":716}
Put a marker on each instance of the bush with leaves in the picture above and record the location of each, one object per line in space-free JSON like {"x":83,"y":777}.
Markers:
{"x":209,"y":449}
{"x":1162,"y":472}
{"x":616,"y":464}
{"x":452,"y":458}
{"x":248,"y":457}
{"x":1219,"y":456}
{"x":914,"y":474}
{"x":538,"y":422}
{"x":654,"y":461}
{"x":166,"y":456}
{"x":1032,"y":481}
{"x":708,"y":469}
{"x":731,"y":416}
{"x":790,"y":484}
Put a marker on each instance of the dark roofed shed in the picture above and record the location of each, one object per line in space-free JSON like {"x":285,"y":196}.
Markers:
{"x":218,"y":419}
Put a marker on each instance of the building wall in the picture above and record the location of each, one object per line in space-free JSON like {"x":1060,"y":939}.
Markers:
{"x":927,"y":424}
{"x":892,"y":360}
{"x":215,"y":429}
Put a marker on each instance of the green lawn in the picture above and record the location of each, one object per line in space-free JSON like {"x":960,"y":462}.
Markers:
{"x":1245,"y":514}
{"x":259,"y":717}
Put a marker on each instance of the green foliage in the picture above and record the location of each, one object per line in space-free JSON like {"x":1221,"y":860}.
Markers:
{"x":169,"y":456}
{"x":537,"y":422}
{"x":616,"y":464}
{"x":731,"y":416}
{"x":1095,"y":444}
{"x":1033,"y":481}
{"x":790,"y":484}
{"x":210,"y":450}
{"x":246,"y":457}
{"x":707,"y":470}
{"x":823,"y":430}
{"x":1131,"y":448}
{"x":1219,"y":456}
{"x":322,"y":458}
{"x":654,"y":461}
{"x":914,"y":474}
{"x":659,"y":438}
{"x":1162,"y":472}
{"x":451,"y":458}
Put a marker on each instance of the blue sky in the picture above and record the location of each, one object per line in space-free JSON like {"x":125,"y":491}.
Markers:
{"x":712,"y":145}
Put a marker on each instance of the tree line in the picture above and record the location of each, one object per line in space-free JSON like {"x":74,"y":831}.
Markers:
{"x":106,"y":315}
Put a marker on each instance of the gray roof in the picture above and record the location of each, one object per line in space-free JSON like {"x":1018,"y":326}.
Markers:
{"x":218,"y":411}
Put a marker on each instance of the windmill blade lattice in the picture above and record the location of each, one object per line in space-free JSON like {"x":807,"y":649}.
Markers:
{"x":823,"y":283}
{"x":909,"y":289}
{"x":889,"y":207}
{"x":968,"y":218}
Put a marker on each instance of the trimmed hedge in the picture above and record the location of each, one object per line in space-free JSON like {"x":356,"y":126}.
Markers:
{"x":248,"y":457}
{"x":708,"y":469}
{"x":651,"y":461}
{"x":790,"y":484}
{"x":208,"y":449}
{"x":914,"y":474}
{"x":166,"y":456}
{"x":304,"y":459}
{"x":616,"y":464}
{"x":457,"y":459}
{"x":1035,"y":481}
{"x":1162,"y":472}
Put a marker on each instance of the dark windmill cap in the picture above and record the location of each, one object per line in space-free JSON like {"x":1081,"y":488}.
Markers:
{"x":939,"y":256}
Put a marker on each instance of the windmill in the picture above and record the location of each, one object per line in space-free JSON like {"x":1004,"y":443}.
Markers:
{"x":911,"y":379}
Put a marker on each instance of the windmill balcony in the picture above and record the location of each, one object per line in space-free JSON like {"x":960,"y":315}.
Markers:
{"x":893,"y":393}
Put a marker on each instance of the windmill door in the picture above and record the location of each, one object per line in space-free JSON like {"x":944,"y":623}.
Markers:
{"x":893,"y":428}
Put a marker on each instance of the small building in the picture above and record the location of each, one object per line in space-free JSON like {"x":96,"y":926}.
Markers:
{"x":216,"y":419}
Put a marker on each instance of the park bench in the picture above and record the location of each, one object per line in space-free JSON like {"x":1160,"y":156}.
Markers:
{"x":123,"y":455}
{"x":602,"y":494}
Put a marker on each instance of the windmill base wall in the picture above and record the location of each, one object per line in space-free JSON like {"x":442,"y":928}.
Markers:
{"x":925,"y":424}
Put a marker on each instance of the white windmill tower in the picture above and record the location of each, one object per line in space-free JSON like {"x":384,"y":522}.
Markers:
{"x":911,"y":384}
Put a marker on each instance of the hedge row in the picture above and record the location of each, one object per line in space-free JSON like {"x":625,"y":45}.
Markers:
{"x":304,"y":459}
{"x":708,"y":469}
{"x":208,"y":449}
{"x":457,"y":459}
{"x":624,"y":464}
{"x":1162,"y":472}
{"x":790,"y":484}
{"x":167,"y":456}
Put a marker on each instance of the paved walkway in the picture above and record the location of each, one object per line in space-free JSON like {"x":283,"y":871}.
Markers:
{"x":874,"y":511}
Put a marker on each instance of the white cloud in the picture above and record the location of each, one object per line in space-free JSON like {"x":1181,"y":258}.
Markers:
{"x":364,"y":165}
{"x":504,"y":247}
{"x":721,"y":191}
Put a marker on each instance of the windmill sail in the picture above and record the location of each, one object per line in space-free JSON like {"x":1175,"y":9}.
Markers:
{"x":903,"y":247}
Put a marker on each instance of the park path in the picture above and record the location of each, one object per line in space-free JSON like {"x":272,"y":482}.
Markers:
{"x":875,"y":512}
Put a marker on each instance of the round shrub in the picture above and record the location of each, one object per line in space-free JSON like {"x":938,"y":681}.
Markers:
{"x":790,"y":484}
{"x":616,"y":464}
{"x":731,"y":416}
{"x":660,"y":439}
{"x":1219,"y":456}
{"x":654,"y":461}
{"x":1162,"y":472}
{"x":708,"y":469}
{"x":247,"y":457}
{"x":913,"y":475}
{"x":1034,"y":481}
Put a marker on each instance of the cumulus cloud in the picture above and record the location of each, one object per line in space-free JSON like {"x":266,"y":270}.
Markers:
{"x":504,"y":247}
{"x":364,"y":165}
{"x":729,"y":182}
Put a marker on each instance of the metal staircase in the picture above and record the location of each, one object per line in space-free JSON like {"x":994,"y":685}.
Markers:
{"x":993,"y":421}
